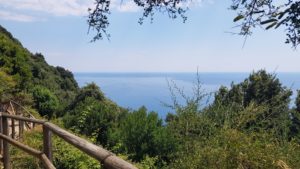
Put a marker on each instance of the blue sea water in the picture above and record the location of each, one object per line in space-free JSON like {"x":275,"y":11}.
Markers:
{"x":133,"y":90}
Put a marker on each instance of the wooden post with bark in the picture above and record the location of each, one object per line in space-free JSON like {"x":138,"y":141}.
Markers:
{"x":47,"y":143}
{"x":6,"y":155}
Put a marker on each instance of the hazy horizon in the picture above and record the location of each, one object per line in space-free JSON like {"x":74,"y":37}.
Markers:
{"x":187,"y":72}
{"x":133,"y":90}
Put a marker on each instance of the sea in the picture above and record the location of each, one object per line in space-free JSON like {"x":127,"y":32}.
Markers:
{"x":154,"y":90}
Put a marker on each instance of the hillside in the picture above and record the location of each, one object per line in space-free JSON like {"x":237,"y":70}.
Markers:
{"x":26,"y":72}
{"x":53,"y":92}
{"x":247,"y":125}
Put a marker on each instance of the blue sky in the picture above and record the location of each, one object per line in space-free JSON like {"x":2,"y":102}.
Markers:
{"x":58,"y":29}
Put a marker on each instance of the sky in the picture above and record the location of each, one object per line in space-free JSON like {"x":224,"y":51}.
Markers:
{"x":58,"y":29}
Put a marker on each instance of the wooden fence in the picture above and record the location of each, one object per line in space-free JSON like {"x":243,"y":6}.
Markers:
{"x":107,"y":159}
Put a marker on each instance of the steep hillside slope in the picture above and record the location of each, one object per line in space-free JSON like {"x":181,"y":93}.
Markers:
{"x":26,"y":72}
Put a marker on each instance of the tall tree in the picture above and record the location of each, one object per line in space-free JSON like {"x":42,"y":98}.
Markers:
{"x":263,"y":89}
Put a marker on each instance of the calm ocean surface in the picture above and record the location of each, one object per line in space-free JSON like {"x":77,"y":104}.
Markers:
{"x":133,"y":90}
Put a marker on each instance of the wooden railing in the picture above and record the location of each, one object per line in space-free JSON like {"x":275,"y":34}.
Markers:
{"x":15,"y":108}
{"x":107,"y":159}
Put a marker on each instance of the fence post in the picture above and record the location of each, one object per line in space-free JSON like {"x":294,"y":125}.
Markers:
{"x":13,"y":128}
{"x":21,"y":129}
{"x":1,"y":131}
{"x":6,"y":158}
{"x":47,"y":143}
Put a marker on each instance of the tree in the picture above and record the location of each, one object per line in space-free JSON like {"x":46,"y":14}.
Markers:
{"x":7,"y":85}
{"x":45,"y":101}
{"x":263,"y":91}
{"x":92,"y":114}
{"x":251,"y":13}
{"x":295,"y":115}
{"x":273,"y":14}
{"x":297,"y":102}
{"x":90,"y":90}
{"x":22,"y":71}
{"x":143,"y":134}
{"x":13,"y":60}
{"x":260,"y":87}
{"x":98,"y":16}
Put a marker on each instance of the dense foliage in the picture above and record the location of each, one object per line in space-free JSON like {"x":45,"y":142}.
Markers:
{"x":260,"y":89}
{"x":92,"y":114}
{"x":7,"y":85}
{"x":248,"y":125}
{"x":22,"y":71}
{"x":298,"y":101}
{"x":45,"y":101}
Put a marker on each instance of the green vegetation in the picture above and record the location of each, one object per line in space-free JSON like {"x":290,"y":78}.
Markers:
{"x":92,"y":114}
{"x":298,"y":101}
{"x":248,"y":125}
{"x":65,"y":155}
{"x":45,"y":101}
{"x":7,"y":85}
{"x":260,"y":89}
{"x":23,"y":71}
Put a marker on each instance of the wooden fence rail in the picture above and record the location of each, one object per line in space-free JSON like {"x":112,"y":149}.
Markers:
{"x":107,"y":159}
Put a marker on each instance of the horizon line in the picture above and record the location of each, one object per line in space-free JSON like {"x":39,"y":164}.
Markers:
{"x":129,"y":72}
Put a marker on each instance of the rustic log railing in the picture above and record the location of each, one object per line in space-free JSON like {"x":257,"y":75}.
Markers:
{"x":18,"y":109}
{"x":107,"y":159}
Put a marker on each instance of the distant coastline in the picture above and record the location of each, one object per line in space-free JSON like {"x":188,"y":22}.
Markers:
{"x":135,"y":89}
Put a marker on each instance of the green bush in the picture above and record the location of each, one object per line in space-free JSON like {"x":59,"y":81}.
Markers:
{"x":231,"y":148}
{"x":45,"y":102}
{"x":143,"y":135}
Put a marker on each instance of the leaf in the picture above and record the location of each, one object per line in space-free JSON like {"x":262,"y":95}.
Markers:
{"x":270,"y":26}
{"x":282,"y":14}
{"x":238,"y":18}
{"x":257,"y":12}
{"x":268,"y":21}
{"x":280,"y":23}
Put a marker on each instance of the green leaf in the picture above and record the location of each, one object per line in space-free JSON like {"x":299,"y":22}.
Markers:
{"x":270,"y":26}
{"x":238,"y":18}
{"x":268,"y":21}
{"x":282,"y":14}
